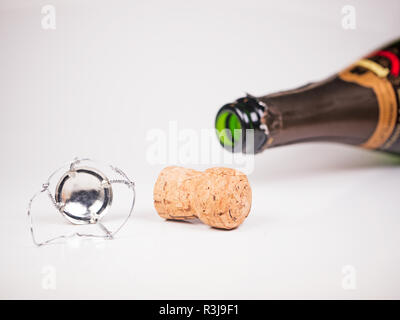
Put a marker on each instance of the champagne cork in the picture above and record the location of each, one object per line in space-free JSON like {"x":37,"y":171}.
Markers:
{"x":219,"y":197}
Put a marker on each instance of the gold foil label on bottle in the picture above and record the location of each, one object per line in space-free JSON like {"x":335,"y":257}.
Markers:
{"x":376,"y":78}
{"x":374,"y":67}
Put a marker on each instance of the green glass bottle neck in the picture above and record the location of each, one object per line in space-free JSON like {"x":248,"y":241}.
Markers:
{"x":331,"y":110}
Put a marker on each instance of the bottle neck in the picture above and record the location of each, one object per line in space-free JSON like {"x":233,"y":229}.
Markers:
{"x":332,"y":110}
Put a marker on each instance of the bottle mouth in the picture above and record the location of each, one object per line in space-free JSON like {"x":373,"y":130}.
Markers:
{"x":238,"y":126}
{"x":229,"y":128}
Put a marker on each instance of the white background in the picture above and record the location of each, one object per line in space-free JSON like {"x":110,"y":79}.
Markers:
{"x":113,"y":70}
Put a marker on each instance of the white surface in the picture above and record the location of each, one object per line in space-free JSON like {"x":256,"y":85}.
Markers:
{"x":112,"y":71}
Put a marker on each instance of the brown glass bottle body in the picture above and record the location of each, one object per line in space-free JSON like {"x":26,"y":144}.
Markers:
{"x":358,"y":106}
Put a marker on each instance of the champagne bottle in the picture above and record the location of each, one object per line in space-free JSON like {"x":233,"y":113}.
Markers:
{"x":357,"y":106}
